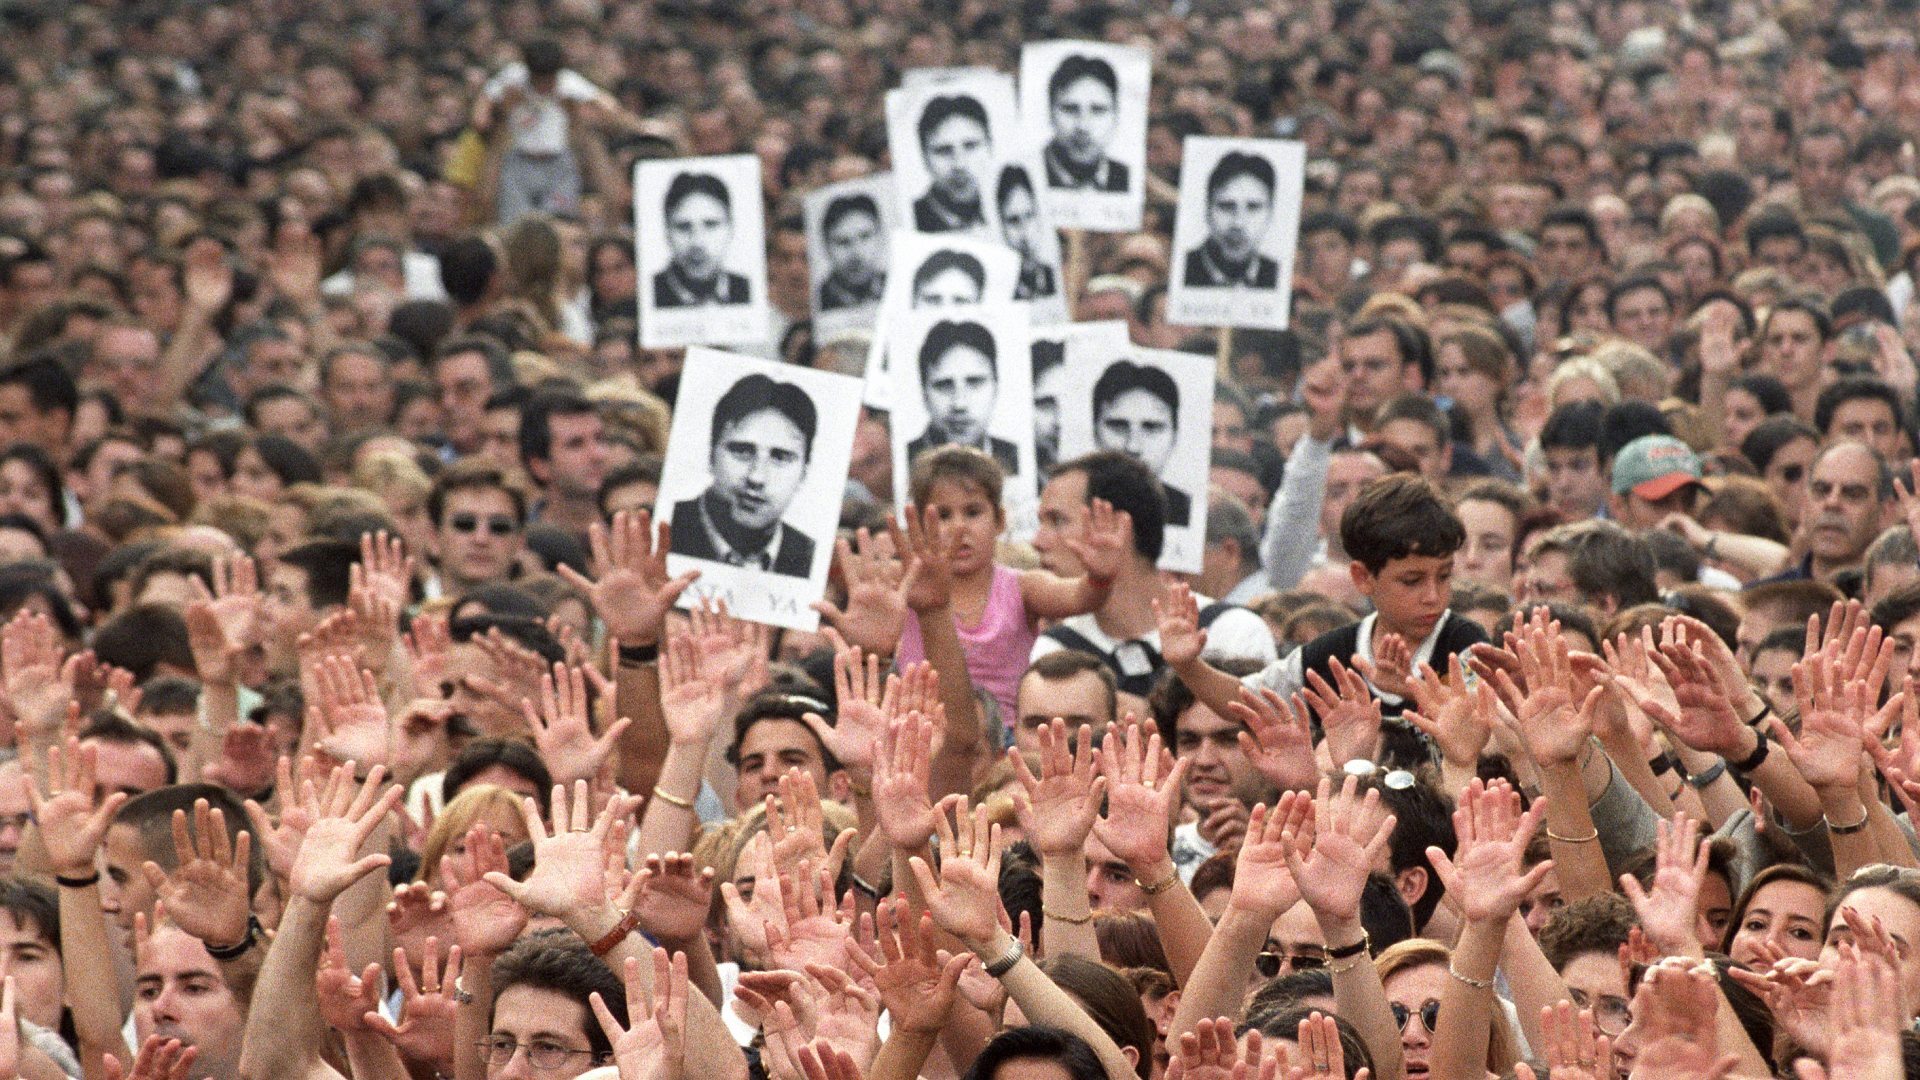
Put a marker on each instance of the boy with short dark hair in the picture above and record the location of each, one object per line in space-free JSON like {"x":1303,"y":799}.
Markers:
{"x":1401,"y":534}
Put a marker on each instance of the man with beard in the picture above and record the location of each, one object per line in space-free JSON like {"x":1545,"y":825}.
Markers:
{"x":957,"y":145}
{"x":762,"y":442}
{"x":699,"y":218}
{"x":1082,"y":105}
{"x":960,"y":380}
{"x":1239,"y":211}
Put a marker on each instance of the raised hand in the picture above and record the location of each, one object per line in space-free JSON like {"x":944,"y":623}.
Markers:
{"x":1143,"y":785}
{"x":654,"y":1046}
{"x":1391,"y":668}
{"x":346,"y":999}
{"x":1177,"y":617}
{"x":1262,"y":883}
{"x":860,"y":716}
{"x":1278,"y":740}
{"x":1057,"y":808}
{"x":876,"y":580}
{"x":1702,"y":715}
{"x":326,"y":865}
{"x":245,"y":764}
{"x":1447,"y":714}
{"x":569,"y":864}
{"x":38,"y":684}
{"x":224,"y":620}
{"x":159,"y":1059}
{"x":485,"y":920}
{"x":385,"y":567}
{"x":748,"y":919}
{"x":693,"y":698}
{"x":821,"y":1060}
{"x":1349,"y":713}
{"x":849,"y":1016}
{"x":1575,"y":1049}
{"x":562,"y":731}
{"x":1551,"y":725}
{"x":299,"y":805}
{"x":929,"y":580}
{"x":1834,"y":712}
{"x":207,"y":894}
{"x":1484,"y":874}
{"x":72,"y":826}
{"x":964,"y":898}
{"x":916,"y":980}
{"x":1331,"y":851}
{"x":1867,"y":1019}
{"x":350,"y":714}
{"x":1319,"y":1044}
{"x":902,"y":780}
{"x":798,"y":824}
{"x":633,"y":591}
{"x":1209,"y":1052}
{"x":376,"y":617}
{"x":1669,"y":912}
{"x":813,"y":929}
{"x":428,"y":646}
{"x":427,"y":1007}
{"x":673,"y":895}
{"x":1105,"y":543}
{"x":734,"y":649}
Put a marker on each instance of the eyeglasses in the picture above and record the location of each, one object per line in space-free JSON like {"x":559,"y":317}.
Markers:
{"x":1429,"y":1016}
{"x":499,"y":1050}
{"x":1611,"y":1014}
{"x":497,"y":524}
{"x":1268,"y":964}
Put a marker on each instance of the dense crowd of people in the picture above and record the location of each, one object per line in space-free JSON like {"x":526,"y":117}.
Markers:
{"x":1547,"y":702}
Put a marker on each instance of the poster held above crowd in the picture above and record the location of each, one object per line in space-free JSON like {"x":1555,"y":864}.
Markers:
{"x":1084,"y":107}
{"x":932,"y":273}
{"x":1235,"y":232}
{"x":700,"y":252}
{"x":755,"y":470}
{"x":849,"y":225}
{"x":1157,"y":405}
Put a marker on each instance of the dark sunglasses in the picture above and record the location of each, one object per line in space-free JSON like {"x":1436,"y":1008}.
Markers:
{"x":497,"y":524}
{"x":1268,"y":963}
{"x":1429,"y":1016}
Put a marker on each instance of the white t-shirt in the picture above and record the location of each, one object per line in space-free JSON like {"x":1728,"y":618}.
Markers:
{"x":539,"y":121}
{"x":1235,"y":633}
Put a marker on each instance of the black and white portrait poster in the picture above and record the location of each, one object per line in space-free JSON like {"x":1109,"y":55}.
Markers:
{"x":755,"y":473}
{"x":848,"y":225}
{"x":1083,"y":106}
{"x":964,"y":377}
{"x":1157,"y":405}
{"x":948,"y":139}
{"x":934,"y":272}
{"x":701,"y":249}
{"x":1051,"y":382}
{"x":1235,"y":231}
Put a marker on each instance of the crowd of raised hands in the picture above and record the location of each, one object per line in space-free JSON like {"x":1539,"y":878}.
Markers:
{"x":880,"y":924}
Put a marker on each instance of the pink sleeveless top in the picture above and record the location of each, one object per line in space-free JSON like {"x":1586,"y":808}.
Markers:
{"x":996,"y":646}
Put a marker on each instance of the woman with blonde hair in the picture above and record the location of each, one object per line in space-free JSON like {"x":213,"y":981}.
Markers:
{"x":402,"y":487}
{"x":482,"y":804}
{"x":1474,"y":367}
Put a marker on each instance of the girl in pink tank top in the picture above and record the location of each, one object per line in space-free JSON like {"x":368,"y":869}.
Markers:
{"x":996,"y":609}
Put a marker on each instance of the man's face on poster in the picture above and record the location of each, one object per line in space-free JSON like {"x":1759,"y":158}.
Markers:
{"x":1046,"y":407}
{"x":957,"y":152}
{"x":951,"y":287}
{"x":1083,"y":115}
{"x":853,"y":248}
{"x":1138,"y":423}
{"x":1019,"y":215}
{"x":960,"y":388}
{"x":1238,"y":213}
{"x":758,"y":464}
{"x":699,"y":229}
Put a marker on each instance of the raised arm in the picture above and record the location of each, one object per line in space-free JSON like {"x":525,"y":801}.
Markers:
{"x":1103,"y":552}
{"x":1182,"y":642}
{"x":632,"y":593}
{"x":1330,"y":852}
{"x":1056,"y":811}
{"x":964,"y":901}
{"x":917,"y":982}
{"x":73,"y":828}
{"x":1263,"y":890}
{"x":1144,"y":784}
{"x":929,"y":589}
{"x":285,"y":1040}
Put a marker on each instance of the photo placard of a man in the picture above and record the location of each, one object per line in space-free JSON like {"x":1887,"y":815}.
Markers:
{"x":1083,"y":108}
{"x":960,"y":382}
{"x":698,"y":213}
{"x":956,"y":142}
{"x":1136,"y":409}
{"x":855,"y":244}
{"x":761,"y":444}
{"x":1239,"y":212}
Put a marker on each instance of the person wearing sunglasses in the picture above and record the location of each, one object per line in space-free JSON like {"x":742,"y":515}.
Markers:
{"x":478,"y":519}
